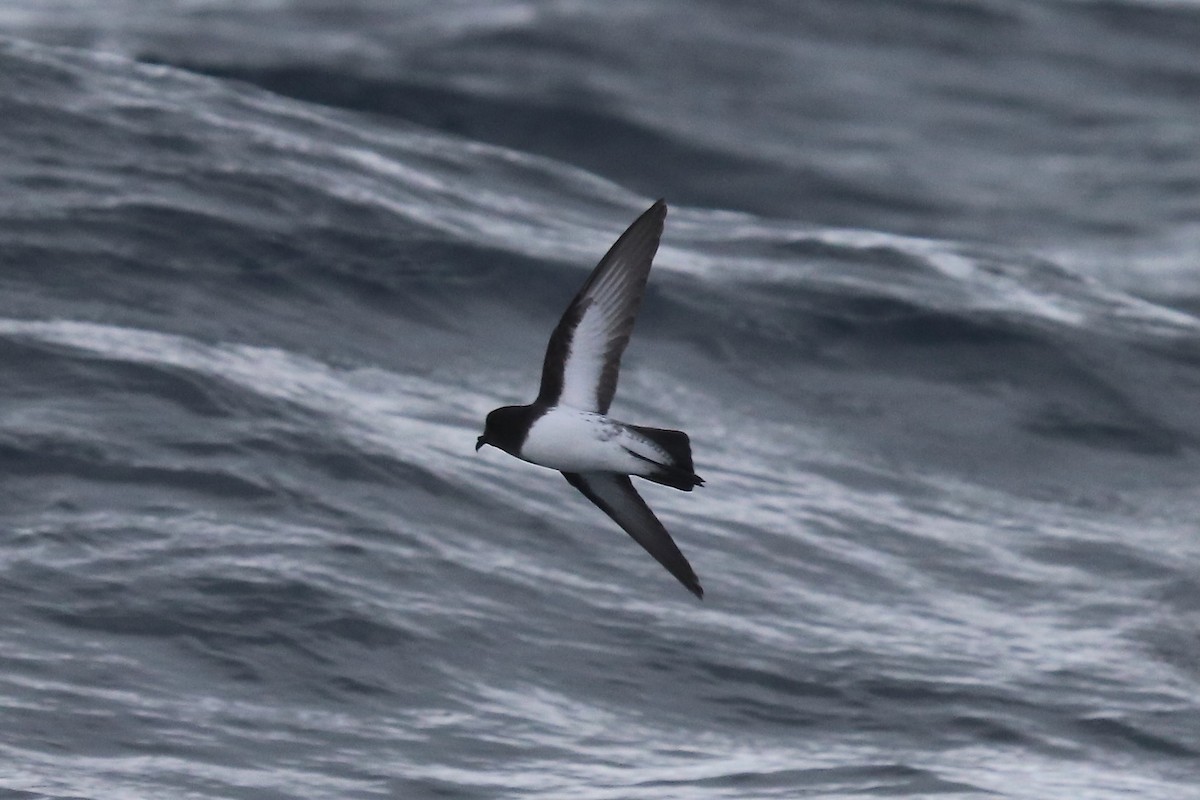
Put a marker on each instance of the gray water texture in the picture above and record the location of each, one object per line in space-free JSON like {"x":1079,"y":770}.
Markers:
{"x":926,"y":303}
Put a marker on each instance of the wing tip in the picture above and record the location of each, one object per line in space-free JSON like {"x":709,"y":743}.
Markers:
{"x":684,"y":573}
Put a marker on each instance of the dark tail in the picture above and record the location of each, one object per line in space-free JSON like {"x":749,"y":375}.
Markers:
{"x":679,"y":472}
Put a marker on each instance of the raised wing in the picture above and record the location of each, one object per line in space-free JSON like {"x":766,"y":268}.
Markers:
{"x":583,"y":358}
{"x":615,"y":496}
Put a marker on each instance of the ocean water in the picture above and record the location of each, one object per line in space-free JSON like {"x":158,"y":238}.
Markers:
{"x":928,"y":303}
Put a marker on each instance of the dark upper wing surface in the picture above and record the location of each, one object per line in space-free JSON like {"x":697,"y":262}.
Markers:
{"x":615,"y":496}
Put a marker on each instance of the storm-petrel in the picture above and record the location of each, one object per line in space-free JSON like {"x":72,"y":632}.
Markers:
{"x":567,"y":427}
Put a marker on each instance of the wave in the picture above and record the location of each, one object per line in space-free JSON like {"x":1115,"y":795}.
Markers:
{"x":249,"y":340}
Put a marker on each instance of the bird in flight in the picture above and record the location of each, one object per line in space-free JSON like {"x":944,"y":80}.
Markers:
{"x":567,"y":427}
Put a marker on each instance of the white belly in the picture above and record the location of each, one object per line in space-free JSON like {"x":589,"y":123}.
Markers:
{"x":571,"y":440}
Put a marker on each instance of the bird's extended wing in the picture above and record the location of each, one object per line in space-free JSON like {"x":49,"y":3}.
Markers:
{"x":615,"y":496}
{"x":583,"y":359}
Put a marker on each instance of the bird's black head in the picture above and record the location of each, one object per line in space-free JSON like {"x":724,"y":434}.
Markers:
{"x":506,"y":428}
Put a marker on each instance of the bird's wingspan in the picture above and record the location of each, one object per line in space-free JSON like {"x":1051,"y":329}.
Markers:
{"x":615,"y":496}
{"x":583,"y":358}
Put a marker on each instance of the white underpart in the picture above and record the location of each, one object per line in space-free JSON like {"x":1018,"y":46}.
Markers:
{"x":581,"y":373}
{"x":572,"y":440}
{"x":602,"y":321}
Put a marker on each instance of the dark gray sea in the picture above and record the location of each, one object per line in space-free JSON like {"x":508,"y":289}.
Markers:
{"x":928,"y":303}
